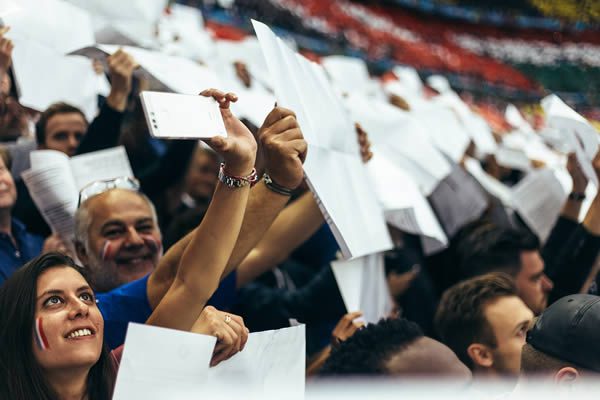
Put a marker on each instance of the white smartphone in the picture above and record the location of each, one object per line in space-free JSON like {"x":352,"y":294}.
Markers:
{"x":182,"y":116}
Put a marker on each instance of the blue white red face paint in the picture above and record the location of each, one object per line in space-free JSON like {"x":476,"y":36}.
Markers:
{"x":40,"y":336}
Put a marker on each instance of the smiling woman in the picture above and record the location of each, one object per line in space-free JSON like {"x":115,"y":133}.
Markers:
{"x":52,"y":334}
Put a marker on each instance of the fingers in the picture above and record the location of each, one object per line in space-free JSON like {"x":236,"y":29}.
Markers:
{"x":276,"y":114}
{"x":220,"y":97}
{"x":243,"y":331}
{"x":4,"y":30}
{"x":286,"y":123}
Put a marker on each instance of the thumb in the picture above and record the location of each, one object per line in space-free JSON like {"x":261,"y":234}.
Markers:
{"x":217,"y":143}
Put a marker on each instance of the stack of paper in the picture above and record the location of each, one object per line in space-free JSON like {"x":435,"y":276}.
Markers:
{"x":54,"y":181}
{"x":363,"y":286}
{"x":334,"y":170}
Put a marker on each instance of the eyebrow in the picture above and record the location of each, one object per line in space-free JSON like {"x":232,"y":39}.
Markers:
{"x":117,"y":222}
{"x":58,"y":291}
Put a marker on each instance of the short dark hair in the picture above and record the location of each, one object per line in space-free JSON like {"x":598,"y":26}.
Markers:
{"x":484,"y":247}
{"x":20,"y":375}
{"x":6,"y":157}
{"x":368,"y":350}
{"x":54,"y":109}
{"x":536,"y":362}
{"x":460,"y":319}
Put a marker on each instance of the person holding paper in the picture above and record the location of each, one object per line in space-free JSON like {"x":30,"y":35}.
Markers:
{"x":64,"y":128}
{"x":284,"y":150}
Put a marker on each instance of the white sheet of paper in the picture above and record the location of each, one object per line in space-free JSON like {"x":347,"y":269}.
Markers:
{"x":512,"y":158}
{"x":473,"y":125}
{"x":249,"y":52}
{"x":444,"y":130}
{"x":363,"y":286}
{"x":44,"y":77}
{"x":141,"y":10}
{"x":100,"y":165}
{"x":514,"y":117}
{"x":402,"y":139}
{"x":160,"y":363}
{"x":491,"y":184}
{"x":53,"y":189}
{"x":409,"y":78}
{"x":272,"y":363}
{"x":560,"y":116}
{"x":182,"y":116}
{"x":405,"y":207}
{"x":349,"y":74}
{"x":333,"y":167}
{"x":538,"y":198}
{"x":191,"y":77}
{"x":54,"y":24}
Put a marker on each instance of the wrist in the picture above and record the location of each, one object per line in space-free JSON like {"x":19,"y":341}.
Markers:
{"x":577,"y":196}
{"x":238,"y":169}
{"x":275,"y":187}
{"x":237,"y":181}
{"x":117,"y":101}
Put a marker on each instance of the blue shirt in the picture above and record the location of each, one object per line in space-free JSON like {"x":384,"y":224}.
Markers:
{"x":11,"y":257}
{"x":129,"y":303}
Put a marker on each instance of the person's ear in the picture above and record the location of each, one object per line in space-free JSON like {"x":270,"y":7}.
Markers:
{"x":566,"y":376}
{"x":481,"y":355}
{"x":81,"y":253}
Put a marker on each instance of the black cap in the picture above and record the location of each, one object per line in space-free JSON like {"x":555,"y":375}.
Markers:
{"x":569,"y":331}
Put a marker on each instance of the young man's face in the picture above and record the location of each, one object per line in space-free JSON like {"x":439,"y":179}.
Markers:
{"x":532,"y":284}
{"x":509,"y":319}
{"x":64,"y":132}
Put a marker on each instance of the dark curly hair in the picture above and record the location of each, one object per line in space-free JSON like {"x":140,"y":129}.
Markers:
{"x":460,"y":319}
{"x":367,"y":351}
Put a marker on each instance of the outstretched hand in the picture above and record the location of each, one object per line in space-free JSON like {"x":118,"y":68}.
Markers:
{"x":6,"y":48}
{"x":238,"y":149}
{"x":229,"y":329}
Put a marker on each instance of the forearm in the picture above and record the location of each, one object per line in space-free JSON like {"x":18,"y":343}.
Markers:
{"x":263,"y":207}
{"x":294,"y":225}
{"x":592,"y":219}
{"x":571,"y":210}
{"x":211,"y":245}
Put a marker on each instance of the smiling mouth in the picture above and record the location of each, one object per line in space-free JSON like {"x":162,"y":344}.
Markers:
{"x":80,"y":333}
{"x":134,"y":260}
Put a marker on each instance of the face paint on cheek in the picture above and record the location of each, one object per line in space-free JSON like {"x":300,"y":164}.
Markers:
{"x":108,"y":251}
{"x":40,"y":336}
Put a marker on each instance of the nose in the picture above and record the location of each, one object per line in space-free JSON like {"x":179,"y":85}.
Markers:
{"x":547,"y":283}
{"x":79,"y":309}
{"x":73,"y":144}
{"x":133,"y":237}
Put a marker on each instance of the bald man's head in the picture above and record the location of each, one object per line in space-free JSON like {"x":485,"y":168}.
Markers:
{"x":394,"y":347}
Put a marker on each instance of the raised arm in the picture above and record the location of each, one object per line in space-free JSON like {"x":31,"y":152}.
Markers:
{"x":284,"y":150}
{"x":105,"y":129}
{"x":205,"y":257}
{"x":572,"y":207}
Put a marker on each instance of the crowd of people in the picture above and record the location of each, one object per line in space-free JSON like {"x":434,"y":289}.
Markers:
{"x":224,"y":237}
